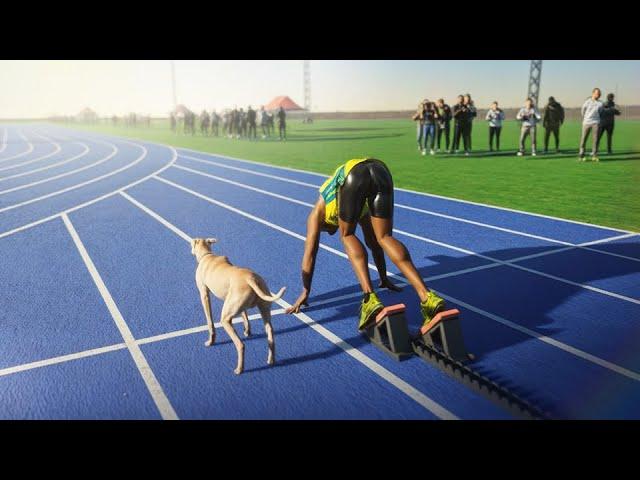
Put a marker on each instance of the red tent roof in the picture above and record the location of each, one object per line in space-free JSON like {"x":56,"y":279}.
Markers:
{"x":284,"y":102}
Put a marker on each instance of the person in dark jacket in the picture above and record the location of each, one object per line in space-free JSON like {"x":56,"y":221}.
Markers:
{"x":251,"y":120}
{"x":443,"y":124}
{"x":204,"y":123}
{"x":607,"y":120}
{"x":215,"y":123}
{"x":282,"y":123}
{"x":173,"y":122}
{"x":458,"y":114}
{"x":552,"y":120}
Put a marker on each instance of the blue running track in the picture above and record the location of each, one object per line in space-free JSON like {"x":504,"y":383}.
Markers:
{"x":100,"y":317}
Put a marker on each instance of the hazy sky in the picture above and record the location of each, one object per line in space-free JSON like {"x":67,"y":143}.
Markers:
{"x":31,"y":89}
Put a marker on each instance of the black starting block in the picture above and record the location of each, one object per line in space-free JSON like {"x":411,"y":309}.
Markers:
{"x":445,"y":334}
{"x":390,"y":332}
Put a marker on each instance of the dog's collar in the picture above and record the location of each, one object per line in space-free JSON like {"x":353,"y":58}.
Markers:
{"x":206,"y":254}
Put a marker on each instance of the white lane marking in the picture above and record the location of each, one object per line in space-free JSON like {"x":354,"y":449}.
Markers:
{"x":78,"y":185}
{"x":428,"y":212}
{"x":61,"y":359}
{"x":170,"y":226}
{"x":118,"y":346}
{"x":424,"y":194}
{"x":94,"y":200}
{"x":22,"y":154}
{"x":565,"y":347}
{"x":155,"y":389}
{"x":506,"y":263}
{"x":375,"y":367}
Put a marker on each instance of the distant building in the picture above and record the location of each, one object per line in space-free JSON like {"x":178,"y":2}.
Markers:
{"x":86,"y":115}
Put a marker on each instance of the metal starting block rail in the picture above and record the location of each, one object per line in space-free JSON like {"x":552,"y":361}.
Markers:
{"x":441,"y":344}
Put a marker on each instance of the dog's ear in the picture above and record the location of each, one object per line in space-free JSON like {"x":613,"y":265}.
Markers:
{"x":211,"y":241}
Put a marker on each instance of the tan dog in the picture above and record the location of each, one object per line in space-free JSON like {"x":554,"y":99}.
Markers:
{"x":240,"y":288}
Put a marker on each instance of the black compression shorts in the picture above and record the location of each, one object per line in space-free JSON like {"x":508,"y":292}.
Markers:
{"x":369,"y":181}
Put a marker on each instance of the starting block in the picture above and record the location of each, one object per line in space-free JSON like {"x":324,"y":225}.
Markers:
{"x":445,"y":333}
{"x":390,"y":332}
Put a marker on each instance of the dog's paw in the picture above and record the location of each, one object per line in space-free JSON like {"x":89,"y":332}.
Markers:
{"x":271,"y":361}
{"x":247,"y":333}
{"x":209,"y":342}
{"x":238,"y":371}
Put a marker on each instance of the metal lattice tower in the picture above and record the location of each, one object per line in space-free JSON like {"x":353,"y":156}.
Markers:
{"x":307,"y":85}
{"x":535,"y":72}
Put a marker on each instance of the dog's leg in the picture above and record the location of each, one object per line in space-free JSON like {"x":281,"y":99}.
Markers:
{"x":247,"y":327}
{"x":206,"y":304}
{"x":228,"y":312}
{"x":265,"y":312}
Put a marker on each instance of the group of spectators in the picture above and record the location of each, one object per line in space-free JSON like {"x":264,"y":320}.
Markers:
{"x":235,"y":123}
{"x":433,"y":120}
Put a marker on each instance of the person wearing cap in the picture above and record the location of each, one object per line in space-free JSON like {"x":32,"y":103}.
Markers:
{"x":591,"y":110}
{"x":552,"y":121}
{"x":360,"y":192}
{"x":607,"y":120}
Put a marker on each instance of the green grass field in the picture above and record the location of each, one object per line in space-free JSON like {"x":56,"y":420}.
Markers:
{"x":605,"y":193}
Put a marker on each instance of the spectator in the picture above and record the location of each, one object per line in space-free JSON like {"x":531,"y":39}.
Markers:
{"x":264,"y":122}
{"x":215,"y":123}
{"x":172,"y":122}
{"x":419,"y":118}
{"x":272,"y":122}
{"x":251,"y":120}
{"x":553,"y":119}
{"x":282,"y":124}
{"x":458,"y":113}
{"x":529,"y":116}
{"x":443,"y":124}
{"x":235,"y":123}
{"x":430,"y":115}
{"x":495,"y":116}
{"x":607,"y":120}
{"x":204,"y":123}
{"x":591,"y":110}
{"x":469,"y":114}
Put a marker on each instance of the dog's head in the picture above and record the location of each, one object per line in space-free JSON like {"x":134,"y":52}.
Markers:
{"x":201,"y":244}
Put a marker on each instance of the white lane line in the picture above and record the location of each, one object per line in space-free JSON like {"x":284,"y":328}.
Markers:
{"x":378,"y":369}
{"x":55,"y":177}
{"x":427,"y":212}
{"x":424,"y":194}
{"x":21,"y":154}
{"x":170,"y":226}
{"x":57,"y":149}
{"x":78,"y":185}
{"x":155,"y":389}
{"x":47,"y":167}
{"x":506,"y":263}
{"x":94,"y":200}
{"x":61,"y":359}
{"x":119,"y":346}
{"x":565,"y":347}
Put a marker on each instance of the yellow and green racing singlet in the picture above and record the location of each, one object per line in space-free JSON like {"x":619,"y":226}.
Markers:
{"x":329,"y":191}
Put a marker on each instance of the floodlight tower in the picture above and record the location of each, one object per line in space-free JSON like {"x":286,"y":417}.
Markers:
{"x":535,"y":72}
{"x":307,"y":85}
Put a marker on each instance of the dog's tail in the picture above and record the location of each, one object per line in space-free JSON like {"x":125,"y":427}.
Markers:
{"x":263,"y":295}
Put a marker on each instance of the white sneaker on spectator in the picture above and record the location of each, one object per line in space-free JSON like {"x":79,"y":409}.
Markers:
{"x":431,"y":152}
{"x":520,"y":154}
{"x":533,"y":154}
{"x":424,"y":152}
{"x":466,"y":154}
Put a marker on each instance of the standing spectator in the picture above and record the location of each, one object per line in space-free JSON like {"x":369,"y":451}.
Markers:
{"x":495,"y":116}
{"x":607,"y":120}
{"x":553,"y":119}
{"x":529,"y":116}
{"x":215,"y":123}
{"x":235,"y":123}
{"x":443,"y":124}
{"x":419,"y":118}
{"x":251,"y":120}
{"x":204,"y":123}
{"x":458,"y":113}
{"x":172,"y":122}
{"x":282,"y":124}
{"x":467,"y":125}
{"x":225,"y":123}
{"x":272,"y":124}
{"x":591,"y":110}
{"x":430,"y":116}
{"x":264,"y":122}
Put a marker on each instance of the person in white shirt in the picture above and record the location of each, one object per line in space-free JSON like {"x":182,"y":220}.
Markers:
{"x":591,"y":123}
{"x":529,"y":116}
{"x":495,"y":116}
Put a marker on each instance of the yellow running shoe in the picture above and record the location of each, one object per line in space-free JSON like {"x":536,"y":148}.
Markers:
{"x":431,"y":307}
{"x":369,"y":307}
